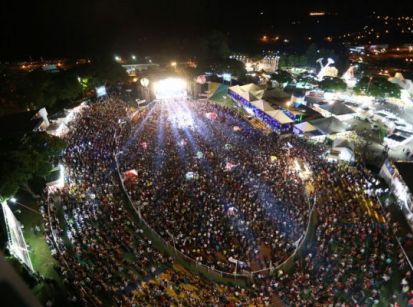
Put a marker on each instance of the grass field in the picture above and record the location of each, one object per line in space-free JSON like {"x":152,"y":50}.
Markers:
{"x":26,"y":210}
{"x":42,"y":260}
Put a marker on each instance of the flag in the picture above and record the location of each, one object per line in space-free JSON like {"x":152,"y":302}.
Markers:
{"x":229,"y":166}
{"x":211,"y":115}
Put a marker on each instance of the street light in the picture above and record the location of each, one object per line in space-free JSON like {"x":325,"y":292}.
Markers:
{"x":133,"y":57}
{"x":368,"y":86}
{"x":173,"y":64}
{"x":13,"y":200}
{"x":117,"y":58}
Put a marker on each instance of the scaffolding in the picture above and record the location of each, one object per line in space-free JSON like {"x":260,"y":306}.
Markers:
{"x":16,"y":243}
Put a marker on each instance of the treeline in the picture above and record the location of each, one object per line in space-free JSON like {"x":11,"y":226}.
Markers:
{"x":22,"y":91}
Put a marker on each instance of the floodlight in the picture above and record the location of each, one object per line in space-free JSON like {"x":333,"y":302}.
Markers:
{"x":170,"y":88}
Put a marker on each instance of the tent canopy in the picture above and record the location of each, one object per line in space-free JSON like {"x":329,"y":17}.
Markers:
{"x":262,"y":105}
{"x":280,"y":117}
{"x":343,"y":143}
{"x":329,"y":125}
{"x":249,"y":92}
{"x":305,"y":127}
{"x":337,"y":108}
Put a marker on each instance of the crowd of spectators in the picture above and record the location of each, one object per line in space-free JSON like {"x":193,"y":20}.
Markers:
{"x":222,"y":193}
{"x":238,"y":203}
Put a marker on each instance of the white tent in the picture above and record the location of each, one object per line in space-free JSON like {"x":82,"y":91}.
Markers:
{"x":262,"y":105}
{"x":280,"y":117}
{"x":340,"y":154}
{"x":340,"y":142}
{"x":304,"y":127}
{"x":249,"y":92}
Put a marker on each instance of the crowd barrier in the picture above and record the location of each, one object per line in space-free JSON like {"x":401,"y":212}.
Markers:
{"x":239,"y":279}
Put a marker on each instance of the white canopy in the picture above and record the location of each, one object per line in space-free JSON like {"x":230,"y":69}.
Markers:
{"x":305,"y":127}
{"x":249,"y":92}
{"x":280,"y":116}
{"x":262,"y":105}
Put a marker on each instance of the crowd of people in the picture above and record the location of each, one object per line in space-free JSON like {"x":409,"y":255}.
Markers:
{"x":97,"y":243}
{"x":354,"y":258}
{"x":227,"y":196}
{"x":235,"y":205}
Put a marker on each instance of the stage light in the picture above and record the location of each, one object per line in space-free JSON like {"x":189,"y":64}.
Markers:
{"x":170,"y":88}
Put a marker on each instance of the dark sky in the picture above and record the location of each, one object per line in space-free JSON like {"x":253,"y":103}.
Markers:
{"x":71,"y":28}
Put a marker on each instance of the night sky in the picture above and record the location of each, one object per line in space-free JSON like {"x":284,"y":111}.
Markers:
{"x":80,"y":28}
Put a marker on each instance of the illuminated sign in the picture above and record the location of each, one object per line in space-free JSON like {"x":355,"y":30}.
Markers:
{"x":101,"y":91}
{"x":317,"y":13}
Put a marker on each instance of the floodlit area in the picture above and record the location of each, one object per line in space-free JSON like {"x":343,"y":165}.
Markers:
{"x":170,"y":88}
{"x":16,"y":242}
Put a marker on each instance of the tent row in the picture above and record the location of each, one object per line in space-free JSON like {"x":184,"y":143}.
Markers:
{"x":250,"y":97}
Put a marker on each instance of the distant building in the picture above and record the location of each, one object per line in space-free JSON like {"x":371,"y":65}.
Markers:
{"x":133,"y":69}
{"x":268,"y":63}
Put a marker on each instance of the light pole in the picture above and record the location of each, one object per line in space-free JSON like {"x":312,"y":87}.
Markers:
{"x":368,"y":85}
{"x":13,"y":200}
{"x":173,"y":240}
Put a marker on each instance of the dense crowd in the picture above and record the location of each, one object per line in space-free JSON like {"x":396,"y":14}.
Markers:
{"x":238,"y":203}
{"x":355,"y":257}
{"x":215,"y":188}
{"x":98,"y":242}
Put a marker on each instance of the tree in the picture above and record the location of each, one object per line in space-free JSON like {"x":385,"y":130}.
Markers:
{"x":231,"y":66}
{"x":21,"y":160}
{"x":306,"y":80}
{"x":292,"y":60}
{"x":281,"y":77}
{"x":332,"y":85}
{"x":217,"y":46}
{"x":101,"y":71}
{"x":40,"y":89}
{"x":378,"y":87}
{"x":312,"y":54}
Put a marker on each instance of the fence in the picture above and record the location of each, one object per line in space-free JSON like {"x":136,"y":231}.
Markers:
{"x":395,"y":236}
{"x":239,"y":279}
